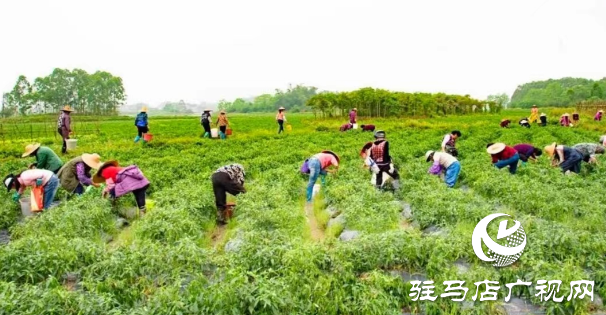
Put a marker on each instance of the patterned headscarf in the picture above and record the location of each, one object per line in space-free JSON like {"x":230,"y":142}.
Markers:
{"x":235,"y":172}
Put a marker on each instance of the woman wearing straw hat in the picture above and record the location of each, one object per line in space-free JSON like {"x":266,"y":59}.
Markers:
{"x":565,"y":120}
{"x":205,"y":120}
{"x":318,"y":166}
{"x":75,"y":174}
{"x":598,"y":115}
{"x":503,"y":155}
{"x":567,"y":158}
{"x":121,"y":181}
{"x":227,"y":179}
{"x":141,"y":124}
{"x":64,"y":124}
{"x":543,"y":119}
{"x":524,"y":123}
{"x":353,"y":115}
{"x":280,"y":118}
{"x":222,"y":122}
{"x":444,"y":162}
{"x":34,"y":178}
{"x":534,"y":114}
{"x":46,"y":158}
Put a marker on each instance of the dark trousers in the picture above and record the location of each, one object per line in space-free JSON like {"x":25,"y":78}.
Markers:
{"x":385,"y":169}
{"x":140,"y":197}
{"x":206,"y":126}
{"x":572,"y":163}
{"x":281,"y":123}
{"x":223,"y":128}
{"x":64,"y":135}
{"x":142,"y":130}
{"x":222,"y":184}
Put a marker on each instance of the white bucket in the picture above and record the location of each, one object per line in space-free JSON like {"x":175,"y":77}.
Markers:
{"x":26,"y":207}
{"x":214,"y":133}
{"x":355,"y":126}
{"x":71,"y":143}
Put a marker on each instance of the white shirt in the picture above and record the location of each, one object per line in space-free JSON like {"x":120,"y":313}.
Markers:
{"x":444,"y":159}
{"x":445,"y":141}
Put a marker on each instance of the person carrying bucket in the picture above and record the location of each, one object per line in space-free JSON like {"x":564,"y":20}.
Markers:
{"x":534,"y":114}
{"x":46,"y":158}
{"x":567,"y":158}
{"x":281,"y":119}
{"x":64,"y":124}
{"x":34,"y":178}
{"x":379,"y":152}
{"x":121,"y":181}
{"x":223,"y":123}
{"x":318,"y":166}
{"x":444,"y":163}
{"x":227,"y":179}
{"x":141,"y":124}
{"x":75,"y":174}
{"x":503,"y":155}
{"x":205,"y":120}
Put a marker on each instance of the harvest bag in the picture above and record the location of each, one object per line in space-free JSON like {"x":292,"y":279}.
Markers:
{"x":37,"y":199}
{"x":305,"y":167}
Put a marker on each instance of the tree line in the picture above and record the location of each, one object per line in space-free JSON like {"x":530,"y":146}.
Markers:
{"x":294,"y":98}
{"x":99,"y":93}
{"x":563,"y":92}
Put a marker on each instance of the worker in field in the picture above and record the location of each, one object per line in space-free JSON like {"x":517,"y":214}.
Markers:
{"x":353,"y":114}
{"x":503,"y":155}
{"x":46,"y":158}
{"x":449,"y":143}
{"x":444,"y":163}
{"x":205,"y":120}
{"x":603,"y":140}
{"x":567,"y":158}
{"x":121,"y":181}
{"x":598,"y":115}
{"x":223,"y":123}
{"x":589,"y":151}
{"x":369,"y":163}
{"x":281,"y":119}
{"x":346,"y":127}
{"x":34,"y":178}
{"x":527,"y":152}
{"x":379,"y":153}
{"x":534,"y":114}
{"x":505,"y":123}
{"x":524,"y":123}
{"x":368,"y":128}
{"x":319,"y":165}
{"x":64,"y":124}
{"x":565,"y":120}
{"x":227,"y":179}
{"x":543,"y":120}
{"x":575,"y":118}
{"x":75,"y":175}
{"x":141,"y":124}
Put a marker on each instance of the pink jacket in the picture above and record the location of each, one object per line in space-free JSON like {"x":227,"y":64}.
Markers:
{"x":130,"y":178}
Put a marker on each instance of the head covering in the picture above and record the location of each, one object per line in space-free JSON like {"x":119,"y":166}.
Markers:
{"x":550,"y":149}
{"x":67,"y":108}
{"x":30,"y":148}
{"x":92,"y":160}
{"x":601,"y":111}
{"x":223,"y":112}
{"x":566,"y":114}
{"x":380,"y":134}
{"x":333,"y":154}
{"x":8,"y":181}
{"x":207,"y":110}
{"x":496,"y":148}
{"x":355,"y":109}
{"x":234,"y":171}
{"x":281,"y":108}
{"x":543,"y":114}
{"x":428,"y":155}
{"x":144,"y":109}
{"x":534,"y":105}
{"x":97,"y":178}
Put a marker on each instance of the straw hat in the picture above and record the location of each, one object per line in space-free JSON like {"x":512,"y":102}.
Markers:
{"x":222,"y":112}
{"x":543,"y":114}
{"x":534,"y":105}
{"x":281,"y":108}
{"x":428,"y":155}
{"x":550,"y":149}
{"x":92,"y":160}
{"x":601,"y":111}
{"x":333,"y":154}
{"x":30,"y":148}
{"x":67,"y":108}
{"x":144,"y":109}
{"x":207,"y":110}
{"x":355,"y":109}
{"x":496,"y":148}
{"x":566,"y":114}
{"x":97,"y":178}
{"x":503,"y":120}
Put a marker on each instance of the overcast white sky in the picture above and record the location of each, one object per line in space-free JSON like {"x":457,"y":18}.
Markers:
{"x":209,"y":50}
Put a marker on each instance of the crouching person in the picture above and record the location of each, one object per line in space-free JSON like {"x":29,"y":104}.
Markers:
{"x":379,"y":152}
{"x":444,"y":163}
{"x":33,"y":178}
{"x":227,"y":179}
{"x":123,"y":180}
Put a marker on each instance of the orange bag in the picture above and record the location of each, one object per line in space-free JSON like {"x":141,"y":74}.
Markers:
{"x":37,"y":199}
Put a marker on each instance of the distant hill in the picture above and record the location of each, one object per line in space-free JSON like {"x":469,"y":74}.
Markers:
{"x":558,"y":92}
{"x":179,"y":107}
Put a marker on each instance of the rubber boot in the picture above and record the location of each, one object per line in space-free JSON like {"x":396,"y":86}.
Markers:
{"x":222,"y":135}
{"x":206,"y":135}
{"x":137,"y":138}
{"x":309,"y":193}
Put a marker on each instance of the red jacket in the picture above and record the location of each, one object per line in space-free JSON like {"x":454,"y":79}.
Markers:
{"x":507,"y":153}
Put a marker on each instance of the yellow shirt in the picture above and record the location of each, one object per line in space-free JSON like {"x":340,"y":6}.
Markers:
{"x":222,"y":120}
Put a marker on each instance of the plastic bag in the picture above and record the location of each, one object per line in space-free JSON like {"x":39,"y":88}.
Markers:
{"x":37,"y":199}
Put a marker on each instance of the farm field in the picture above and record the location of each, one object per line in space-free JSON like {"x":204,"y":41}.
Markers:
{"x":277,"y":256}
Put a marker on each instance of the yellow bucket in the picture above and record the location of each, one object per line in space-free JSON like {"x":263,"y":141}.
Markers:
{"x":288,"y":127}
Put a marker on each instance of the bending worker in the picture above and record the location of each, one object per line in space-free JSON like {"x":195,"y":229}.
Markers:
{"x":75,"y":174}
{"x":527,"y":152}
{"x":45,"y":178}
{"x":46,"y":159}
{"x":444,"y":162}
{"x":503,"y":155}
{"x":567,"y":158}
{"x":589,"y":150}
{"x":318,"y":165}
{"x":379,"y":153}
{"x":227,"y":179}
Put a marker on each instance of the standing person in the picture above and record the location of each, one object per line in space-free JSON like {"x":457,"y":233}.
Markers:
{"x":567,"y":158}
{"x":64,"y":124}
{"x":379,"y":152}
{"x":222,"y":122}
{"x":527,"y":152}
{"x":280,"y":118}
{"x":543,"y":120}
{"x":505,"y":123}
{"x":598,"y":115}
{"x":34,"y":178}
{"x":449,"y":142}
{"x":534,"y":114}
{"x":589,"y":151}
{"x":575,"y":118}
{"x":353,"y":114}
{"x":444,"y":162}
{"x":75,"y":174}
{"x":503,"y":155}
{"x":205,"y":120}
{"x":565,"y":120}
{"x":318,"y":165}
{"x":227,"y":179}
{"x":46,"y":158}
{"x":141,"y":124}
{"x":368,"y":128}
{"x":524,"y":123}
{"x":121,"y":181}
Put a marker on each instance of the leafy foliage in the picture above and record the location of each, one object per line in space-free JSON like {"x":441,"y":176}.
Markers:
{"x":558,"y":92}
